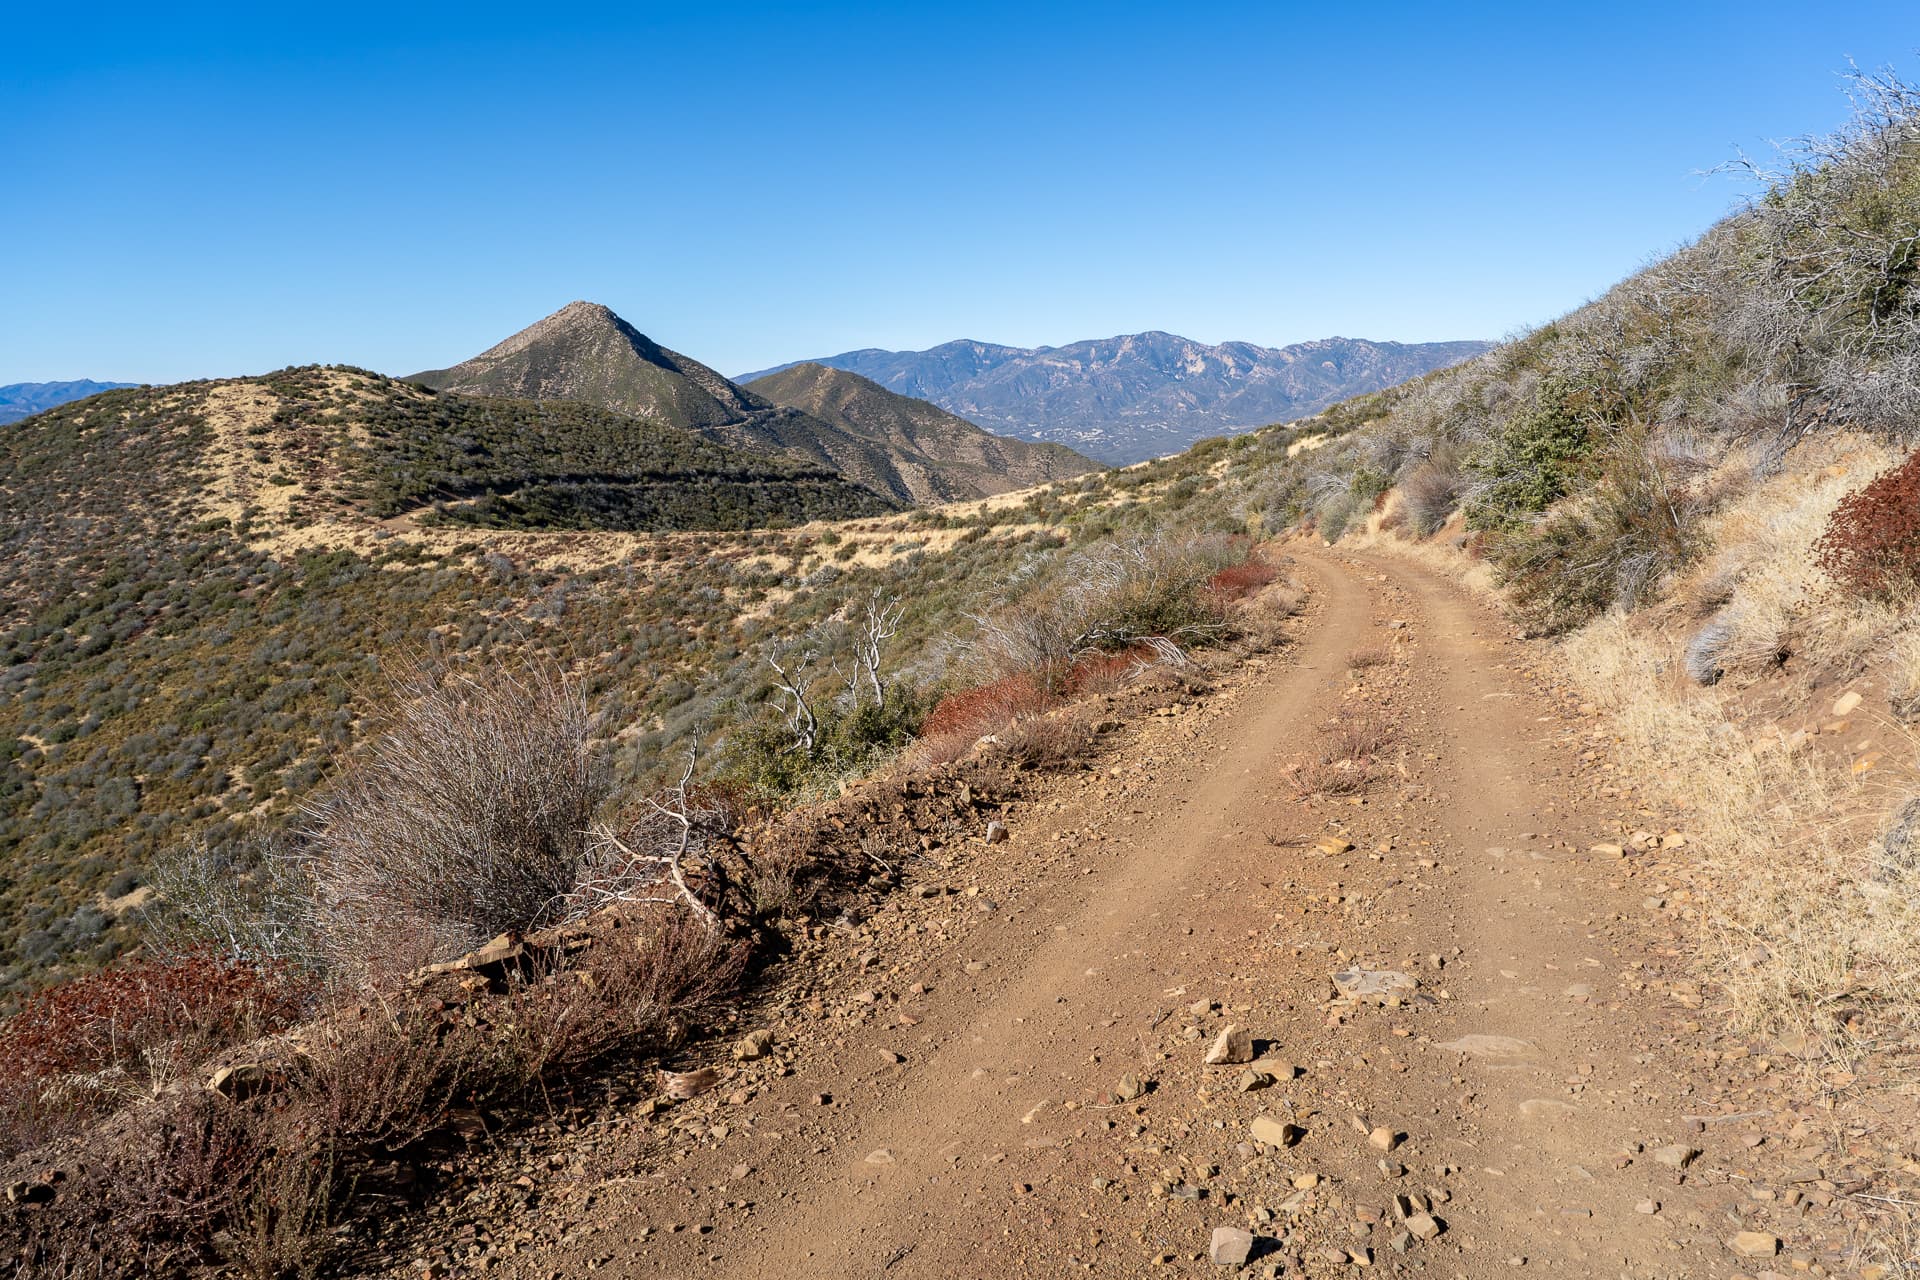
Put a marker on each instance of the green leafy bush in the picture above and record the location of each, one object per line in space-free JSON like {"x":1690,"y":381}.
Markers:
{"x":1611,"y":546}
{"x":1530,"y":463}
{"x":762,"y":755}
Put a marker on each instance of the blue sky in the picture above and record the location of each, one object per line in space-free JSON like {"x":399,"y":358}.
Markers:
{"x":202,"y":191}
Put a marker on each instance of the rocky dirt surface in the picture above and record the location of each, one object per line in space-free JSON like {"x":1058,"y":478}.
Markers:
{"x":1451,"y":1018}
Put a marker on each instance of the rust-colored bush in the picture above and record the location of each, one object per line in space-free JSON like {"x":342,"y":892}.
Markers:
{"x":257,"y":1182}
{"x":78,"y":1049}
{"x":1105,"y":672}
{"x":1871,"y":545}
{"x":985,"y":708}
{"x":1238,"y":581}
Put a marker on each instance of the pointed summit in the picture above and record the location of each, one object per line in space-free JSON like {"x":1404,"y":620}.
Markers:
{"x":903,"y":449}
{"x":585,"y":352}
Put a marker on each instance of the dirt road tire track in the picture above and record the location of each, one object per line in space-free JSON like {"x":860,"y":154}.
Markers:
{"x":990,"y":1148}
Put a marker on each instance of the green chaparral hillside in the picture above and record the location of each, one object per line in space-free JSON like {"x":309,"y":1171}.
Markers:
{"x":205,"y":586}
{"x":910,"y":453}
{"x":200,"y":584}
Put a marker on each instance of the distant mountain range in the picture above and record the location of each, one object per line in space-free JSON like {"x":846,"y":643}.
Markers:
{"x":24,"y":399}
{"x":1141,"y":395}
{"x":932,"y":450}
{"x":587,"y":354}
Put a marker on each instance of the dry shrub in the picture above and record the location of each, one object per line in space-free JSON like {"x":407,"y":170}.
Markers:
{"x":1871,"y":545}
{"x":1311,"y":777}
{"x":1366,"y":658}
{"x":1110,"y":597}
{"x":1262,"y":620}
{"x":468,"y":817}
{"x":1766,"y":598}
{"x":1431,"y":494}
{"x":1342,"y":763}
{"x":1047,"y":742}
{"x":1358,"y":734}
{"x":930,"y":751}
{"x":1740,"y":638}
{"x":147,"y":1194}
{"x":76,"y":1051}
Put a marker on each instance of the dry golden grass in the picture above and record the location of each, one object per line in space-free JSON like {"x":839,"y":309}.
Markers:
{"x":1760,"y":588}
{"x":1805,"y":922}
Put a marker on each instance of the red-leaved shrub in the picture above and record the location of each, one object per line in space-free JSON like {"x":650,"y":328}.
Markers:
{"x":1238,"y":581}
{"x":984,"y":708}
{"x":75,"y":1050}
{"x":1871,"y":545}
{"x":1104,"y":672}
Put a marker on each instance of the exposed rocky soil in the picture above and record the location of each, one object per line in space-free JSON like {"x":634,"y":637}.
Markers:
{"x":1455,"y":1026}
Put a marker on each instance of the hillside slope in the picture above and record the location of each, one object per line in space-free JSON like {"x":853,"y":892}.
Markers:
{"x":946,"y":454}
{"x":197,"y":583}
{"x":24,"y":399}
{"x":1142,"y":395}
{"x":586,"y":354}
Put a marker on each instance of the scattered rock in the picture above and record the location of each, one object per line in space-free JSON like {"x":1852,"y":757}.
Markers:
{"x":1373,"y":984}
{"x":29,"y":1192}
{"x":1676,"y":1156}
{"x":241,"y":1080}
{"x":1848,"y":703}
{"x":1251,"y":1080}
{"x":1275,"y":1133}
{"x":1333,"y":845}
{"x":1480,"y":1045}
{"x":1230,"y":1247}
{"x":1129,"y":1088}
{"x":1383,"y":1138}
{"x":880,"y":1156}
{"x":754,"y":1044}
{"x":996,"y":833}
{"x":1234,"y":1045}
{"x":1425,"y":1226}
{"x":1648,"y":1207}
{"x":1755,"y":1244}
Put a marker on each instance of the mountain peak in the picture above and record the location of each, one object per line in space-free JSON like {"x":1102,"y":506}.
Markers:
{"x":584,"y":352}
{"x":570,"y":323}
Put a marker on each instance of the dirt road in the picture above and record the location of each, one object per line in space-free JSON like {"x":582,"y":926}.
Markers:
{"x":943,"y":1104}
